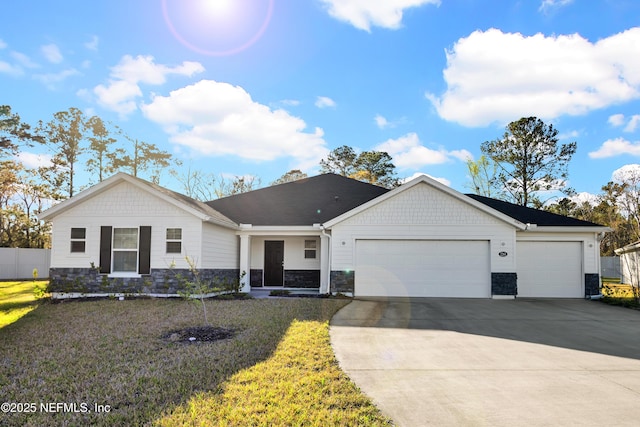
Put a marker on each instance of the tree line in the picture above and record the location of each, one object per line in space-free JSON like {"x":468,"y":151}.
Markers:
{"x":529,"y":167}
{"x":73,"y":142}
{"x":526,"y":166}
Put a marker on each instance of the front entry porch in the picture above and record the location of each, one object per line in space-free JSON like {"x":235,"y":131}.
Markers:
{"x":295,"y":260}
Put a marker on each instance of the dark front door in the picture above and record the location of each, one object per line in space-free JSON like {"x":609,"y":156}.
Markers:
{"x":274,"y":263}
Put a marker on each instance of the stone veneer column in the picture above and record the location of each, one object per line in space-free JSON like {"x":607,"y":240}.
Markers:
{"x":591,"y":284}
{"x":504,"y":284}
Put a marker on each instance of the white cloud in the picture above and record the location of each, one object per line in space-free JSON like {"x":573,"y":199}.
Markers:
{"x":33,"y":160}
{"x":493,"y":76}
{"x":444,"y":181}
{"x":325,"y":102}
{"x":363,"y":14}
{"x":10,"y":69}
{"x":124,"y":84}
{"x":3,"y":44}
{"x":118,"y":96}
{"x":626,"y":173}
{"x":51,"y":79}
{"x":93,"y":43}
{"x":52,"y":53}
{"x":549,"y":5}
{"x":585,"y":197}
{"x":24,"y":60}
{"x":616,"y":147}
{"x":290,"y":102}
{"x":633,"y":123}
{"x":381,"y":121}
{"x":215,"y":118}
{"x":409,"y":153}
{"x":616,"y":120}
{"x":573,"y":134}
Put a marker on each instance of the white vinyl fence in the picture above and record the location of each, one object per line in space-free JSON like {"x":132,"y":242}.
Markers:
{"x":610,"y":267}
{"x":17,"y":263}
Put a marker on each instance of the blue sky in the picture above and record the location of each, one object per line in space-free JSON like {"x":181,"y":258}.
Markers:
{"x":259,"y":87}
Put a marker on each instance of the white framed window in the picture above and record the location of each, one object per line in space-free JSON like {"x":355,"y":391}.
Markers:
{"x":174,"y":240}
{"x":310,"y":249}
{"x":78,"y":240}
{"x":125,"y":250}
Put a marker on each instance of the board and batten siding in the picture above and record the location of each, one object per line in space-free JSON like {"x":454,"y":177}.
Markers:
{"x":423,"y":213}
{"x":220,"y":247}
{"x":125,"y":205}
{"x":589,"y":240}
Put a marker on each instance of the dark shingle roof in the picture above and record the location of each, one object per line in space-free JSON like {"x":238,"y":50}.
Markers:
{"x":532,"y":216}
{"x":307,"y":201}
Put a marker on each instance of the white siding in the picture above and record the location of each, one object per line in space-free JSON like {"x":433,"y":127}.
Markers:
{"x":125,"y":206}
{"x":293,"y":252}
{"x":220,"y":247}
{"x":420,"y":213}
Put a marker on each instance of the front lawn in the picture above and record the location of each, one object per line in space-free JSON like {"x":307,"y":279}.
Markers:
{"x":278,"y":368}
{"x":17,"y":299}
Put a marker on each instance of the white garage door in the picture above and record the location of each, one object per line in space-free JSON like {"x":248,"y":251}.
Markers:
{"x":550,"y":269}
{"x":422,"y":268}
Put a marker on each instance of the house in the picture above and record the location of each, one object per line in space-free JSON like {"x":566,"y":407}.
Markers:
{"x":630,"y":263}
{"x":326,"y":232}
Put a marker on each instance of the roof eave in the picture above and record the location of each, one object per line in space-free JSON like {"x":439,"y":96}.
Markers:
{"x":569,"y":229}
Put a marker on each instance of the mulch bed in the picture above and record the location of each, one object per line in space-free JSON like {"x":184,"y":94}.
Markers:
{"x":199,"y":334}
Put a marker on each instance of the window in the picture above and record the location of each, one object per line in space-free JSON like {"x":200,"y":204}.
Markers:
{"x":78,"y":239}
{"x":310,"y":247}
{"x":125,"y":250}
{"x":174,"y":240}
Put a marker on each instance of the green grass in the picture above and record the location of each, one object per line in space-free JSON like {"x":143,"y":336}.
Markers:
{"x":300,"y":385}
{"x":16,"y":300}
{"x":113,"y":353}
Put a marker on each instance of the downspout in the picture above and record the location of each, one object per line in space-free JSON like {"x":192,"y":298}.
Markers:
{"x":328,"y":236}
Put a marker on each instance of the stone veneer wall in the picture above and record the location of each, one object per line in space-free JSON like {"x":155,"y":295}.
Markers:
{"x":160,"y":281}
{"x":504,"y":284}
{"x":591,"y":284}
{"x":255,"y":278}
{"x":302,"y":279}
{"x":342,"y":281}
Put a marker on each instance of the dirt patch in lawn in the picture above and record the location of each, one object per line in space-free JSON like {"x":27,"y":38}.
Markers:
{"x":199,"y":334}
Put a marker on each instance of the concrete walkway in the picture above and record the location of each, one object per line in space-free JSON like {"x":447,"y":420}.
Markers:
{"x":460,"y":362}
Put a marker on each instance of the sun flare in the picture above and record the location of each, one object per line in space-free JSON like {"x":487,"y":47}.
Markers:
{"x":218,"y":7}
{"x":217,"y":27}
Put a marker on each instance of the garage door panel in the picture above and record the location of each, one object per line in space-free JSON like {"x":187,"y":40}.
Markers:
{"x":422,"y":268}
{"x":550,"y":269}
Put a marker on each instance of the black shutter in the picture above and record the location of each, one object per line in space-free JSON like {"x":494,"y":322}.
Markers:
{"x":105,"y":249}
{"x":144,"y":254}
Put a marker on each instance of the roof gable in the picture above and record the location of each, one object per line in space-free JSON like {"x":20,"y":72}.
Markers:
{"x":425,"y":180}
{"x":192,"y":206}
{"x":308,"y":201}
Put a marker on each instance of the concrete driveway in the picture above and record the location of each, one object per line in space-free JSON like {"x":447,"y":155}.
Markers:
{"x":461,"y":362}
